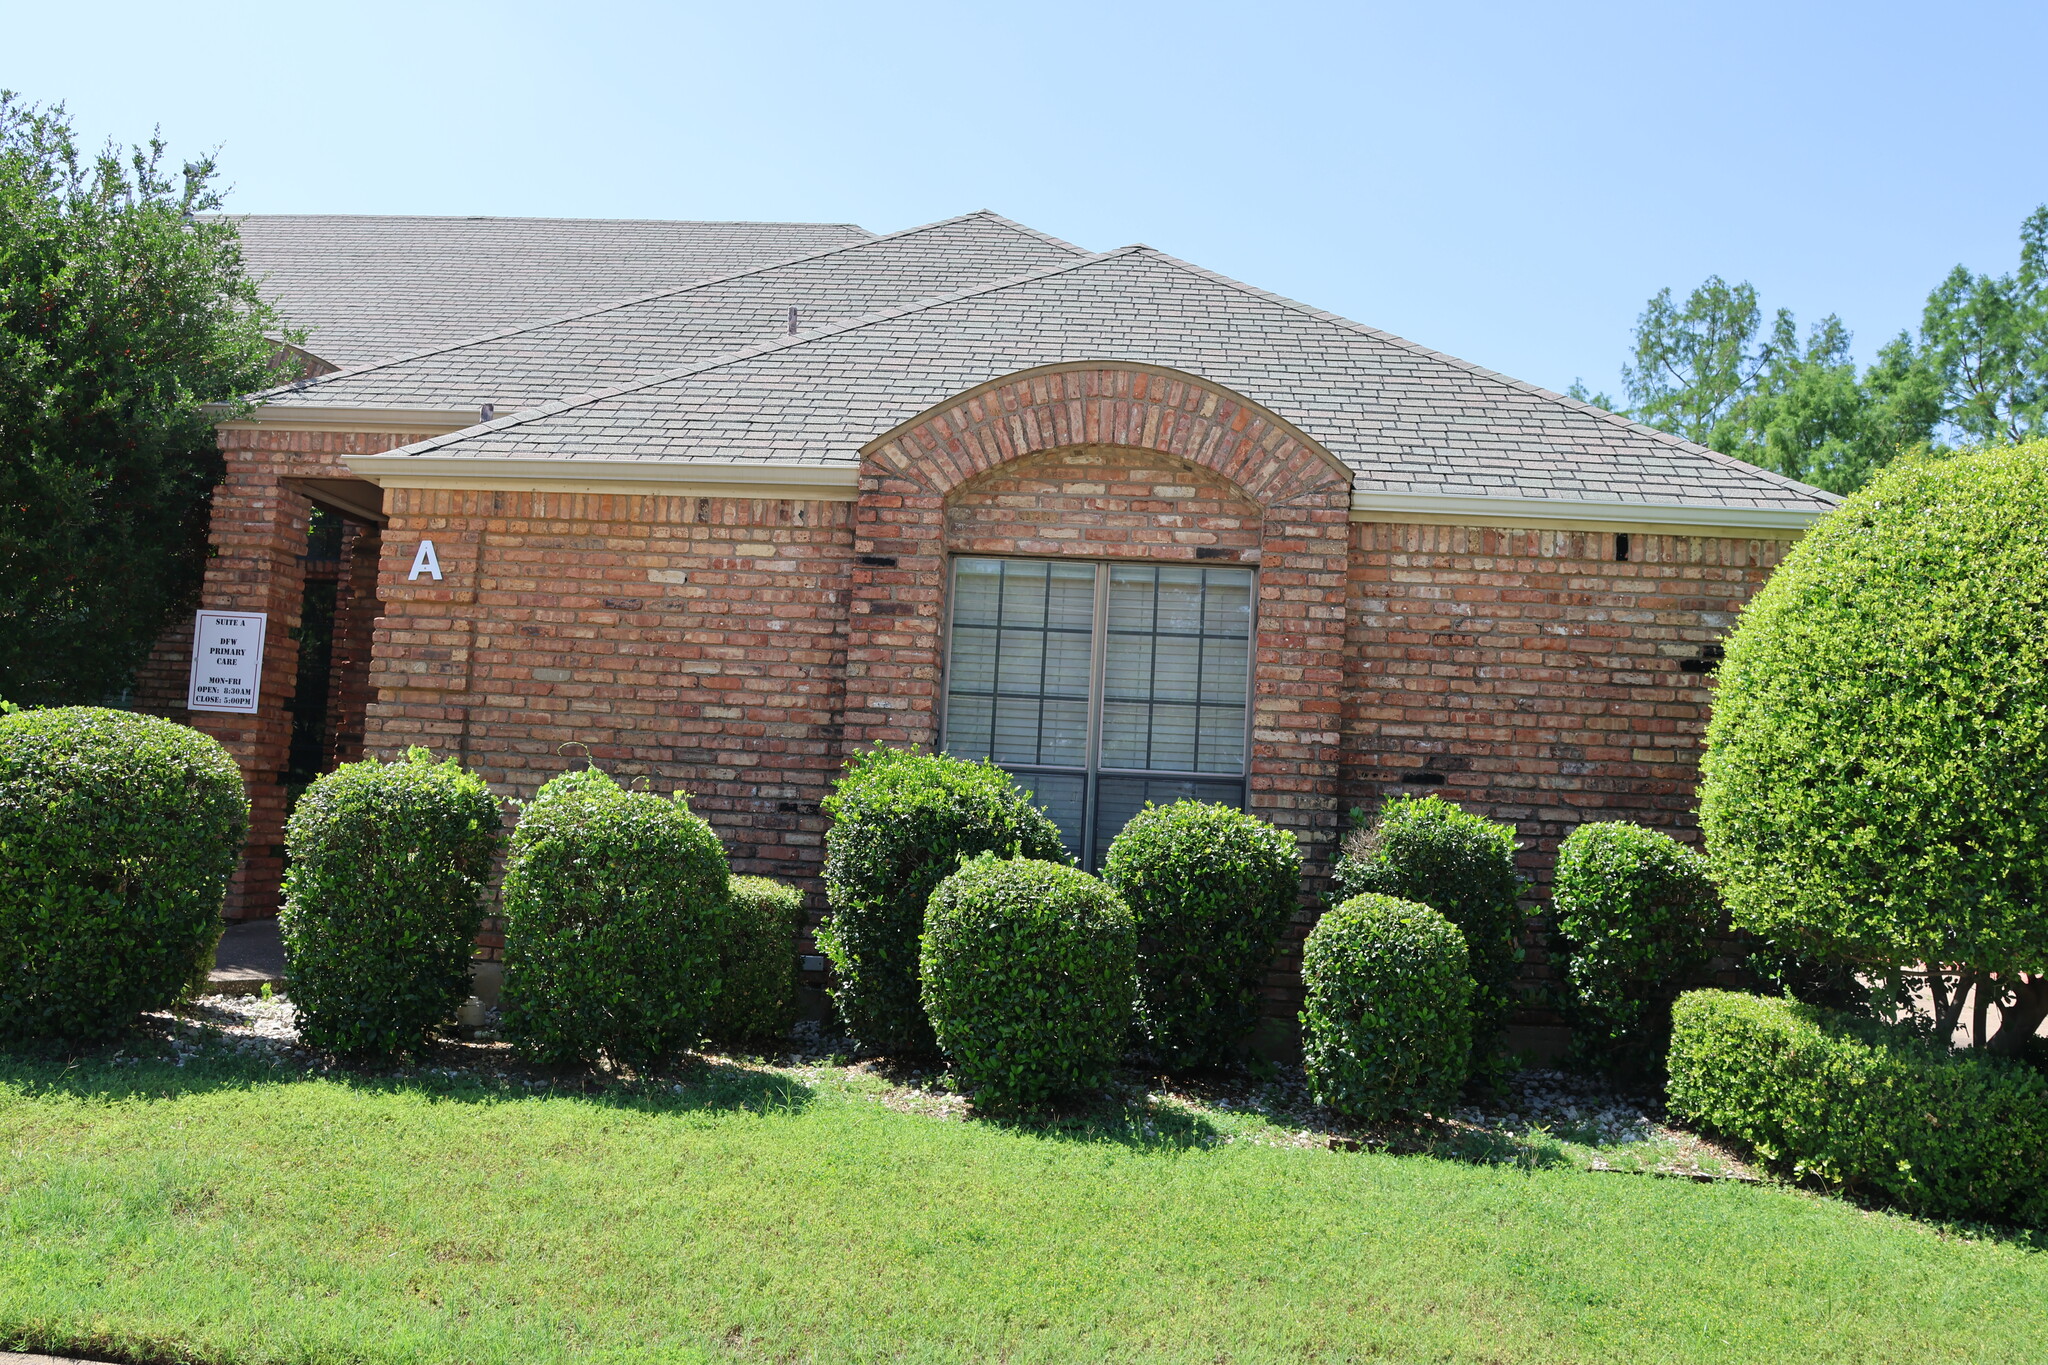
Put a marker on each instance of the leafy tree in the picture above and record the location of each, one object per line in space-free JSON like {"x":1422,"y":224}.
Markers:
{"x":1694,"y":362}
{"x":1918,"y":831}
{"x":1709,"y":370}
{"x":1988,"y":339}
{"x":123,"y":314}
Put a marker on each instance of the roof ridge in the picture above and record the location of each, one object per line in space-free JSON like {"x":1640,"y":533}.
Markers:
{"x":562,"y":405}
{"x":668,"y":291}
{"x":1470,"y":367}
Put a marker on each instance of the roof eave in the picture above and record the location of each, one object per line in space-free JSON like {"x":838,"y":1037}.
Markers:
{"x":840,"y":482}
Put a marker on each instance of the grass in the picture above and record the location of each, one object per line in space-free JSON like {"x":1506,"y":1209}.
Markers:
{"x":230,"y":1209}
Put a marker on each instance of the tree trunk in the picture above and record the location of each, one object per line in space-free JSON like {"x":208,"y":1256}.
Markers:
{"x":2021,"y":1018}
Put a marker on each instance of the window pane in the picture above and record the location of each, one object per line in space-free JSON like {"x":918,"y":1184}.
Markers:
{"x":1117,"y":799}
{"x":1059,"y":796}
{"x":1176,"y":668}
{"x":1022,"y":646}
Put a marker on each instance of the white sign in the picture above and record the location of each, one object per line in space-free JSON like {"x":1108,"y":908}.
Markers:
{"x":227,"y":661}
{"x":425,"y":562}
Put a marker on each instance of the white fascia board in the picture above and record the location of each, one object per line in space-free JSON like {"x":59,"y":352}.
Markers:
{"x":1373,"y":505}
{"x":674,"y":478}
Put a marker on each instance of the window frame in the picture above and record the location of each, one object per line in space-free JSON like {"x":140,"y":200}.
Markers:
{"x":1098,"y":657}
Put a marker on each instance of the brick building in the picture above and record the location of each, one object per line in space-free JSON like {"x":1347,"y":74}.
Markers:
{"x":717,"y":503}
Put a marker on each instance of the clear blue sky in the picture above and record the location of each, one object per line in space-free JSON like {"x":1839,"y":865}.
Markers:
{"x":1507,"y":182}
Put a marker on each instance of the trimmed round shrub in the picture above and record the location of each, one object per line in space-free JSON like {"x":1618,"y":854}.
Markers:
{"x":757,"y":961}
{"x":382,"y":900}
{"x":1876,"y":776}
{"x":901,"y":822}
{"x":615,"y":909}
{"x":1211,"y":887}
{"x":1867,"y":1107}
{"x":1637,"y":910}
{"x":1387,"y":1026}
{"x":118,"y":833}
{"x":1433,"y":851}
{"x":1027,"y":971}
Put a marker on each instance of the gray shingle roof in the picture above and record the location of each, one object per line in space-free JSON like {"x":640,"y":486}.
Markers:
{"x":628,"y":339}
{"x":366,"y":287}
{"x":1406,"y":419}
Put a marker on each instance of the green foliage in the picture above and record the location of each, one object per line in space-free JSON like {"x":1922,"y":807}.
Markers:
{"x":1212,"y":887}
{"x":1710,"y":371}
{"x":1387,"y":1026}
{"x":1637,"y":909}
{"x":121,"y":316}
{"x":1864,"y":1106}
{"x":118,"y":834}
{"x":615,"y":910}
{"x":1876,"y":777}
{"x":1987,"y":339}
{"x":757,"y":961}
{"x":901,"y":822}
{"x":382,"y":900}
{"x":1027,"y":978}
{"x":1430,"y":850}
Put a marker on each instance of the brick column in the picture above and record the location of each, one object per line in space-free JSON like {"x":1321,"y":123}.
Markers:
{"x":259,"y":536}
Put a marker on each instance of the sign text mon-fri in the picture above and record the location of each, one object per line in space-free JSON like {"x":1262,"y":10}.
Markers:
{"x":227,"y":661}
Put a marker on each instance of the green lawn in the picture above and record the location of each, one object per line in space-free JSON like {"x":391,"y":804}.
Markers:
{"x":232,"y":1211}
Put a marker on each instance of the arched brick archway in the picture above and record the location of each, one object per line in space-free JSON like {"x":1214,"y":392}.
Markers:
{"x":895,"y":647}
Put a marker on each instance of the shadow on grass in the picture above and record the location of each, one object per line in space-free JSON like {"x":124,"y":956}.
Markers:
{"x":136,"y":1068}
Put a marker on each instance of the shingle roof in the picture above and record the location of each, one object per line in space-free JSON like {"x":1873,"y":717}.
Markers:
{"x":1406,"y":419}
{"x":366,"y":287}
{"x":628,"y":339}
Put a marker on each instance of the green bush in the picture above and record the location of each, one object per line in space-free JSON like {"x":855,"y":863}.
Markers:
{"x":1430,"y":850}
{"x":118,"y":834}
{"x":757,"y":961}
{"x":1637,"y":910}
{"x":1211,"y":887}
{"x":1028,"y":973}
{"x":383,"y":899}
{"x":1387,"y":1027}
{"x":1876,"y":776}
{"x":901,"y":822}
{"x":1867,"y":1107}
{"x":615,"y":910}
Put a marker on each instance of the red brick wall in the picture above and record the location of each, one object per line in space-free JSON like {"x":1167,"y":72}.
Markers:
{"x":739,"y":648}
{"x":560,"y":627}
{"x":1531,"y":676}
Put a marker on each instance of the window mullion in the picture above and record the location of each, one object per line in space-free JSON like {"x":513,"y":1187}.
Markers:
{"x":1098,"y":663}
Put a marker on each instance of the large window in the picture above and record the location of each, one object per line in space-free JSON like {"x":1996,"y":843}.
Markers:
{"x":1102,"y":686}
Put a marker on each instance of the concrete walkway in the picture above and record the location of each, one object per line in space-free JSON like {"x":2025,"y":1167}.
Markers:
{"x":250,"y":956}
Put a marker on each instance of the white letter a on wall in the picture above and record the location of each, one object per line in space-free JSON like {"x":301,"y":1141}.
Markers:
{"x":425,"y":562}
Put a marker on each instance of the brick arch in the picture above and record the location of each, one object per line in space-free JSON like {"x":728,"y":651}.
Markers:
{"x":896,"y":607}
{"x":1104,"y":403}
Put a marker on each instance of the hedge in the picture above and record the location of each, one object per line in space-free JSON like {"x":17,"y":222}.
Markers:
{"x":615,"y":910}
{"x":1027,"y":978}
{"x":901,"y":822}
{"x":1387,"y":1026}
{"x":1638,"y":911}
{"x":1864,"y":1106}
{"x":118,"y":834}
{"x":382,"y":900}
{"x":1875,"y":784}
{"x":757,"y":961}
{"x":1432,"y":851}
{"x":1212,"y":887}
